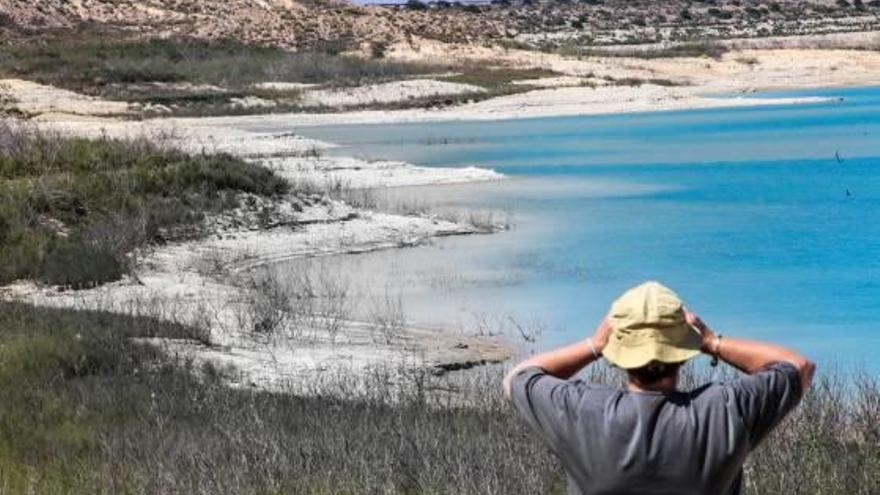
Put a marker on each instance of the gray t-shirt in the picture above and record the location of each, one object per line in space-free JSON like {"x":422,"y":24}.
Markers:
{"x":612,"y":441}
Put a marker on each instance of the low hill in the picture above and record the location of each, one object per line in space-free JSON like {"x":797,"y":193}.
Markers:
{"x":338,"y":25}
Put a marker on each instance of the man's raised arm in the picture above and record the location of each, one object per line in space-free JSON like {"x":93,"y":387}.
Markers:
{"x":568,"y":360}
{"x":751,"y":356}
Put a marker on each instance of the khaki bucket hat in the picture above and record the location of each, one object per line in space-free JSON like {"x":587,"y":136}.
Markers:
{"x":648,"y":324}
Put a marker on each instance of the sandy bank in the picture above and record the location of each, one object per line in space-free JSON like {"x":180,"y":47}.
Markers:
{"x":391,"y":92}
{"x":219,"y":283}
{"x":555,"y":102}
{"x":210,"y":284}
{"x":32,"y":98}
{"x":357,"y":173}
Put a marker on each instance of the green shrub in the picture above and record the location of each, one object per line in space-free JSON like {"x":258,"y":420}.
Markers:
{"x":80,"y":265}
{"x":102,"y":63}
{"x":416,"y":5}
{"x":709,"y":49}
{"x":72,"y":209}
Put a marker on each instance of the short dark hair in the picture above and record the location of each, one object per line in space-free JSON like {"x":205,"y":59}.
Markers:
{"x":653,"y":372}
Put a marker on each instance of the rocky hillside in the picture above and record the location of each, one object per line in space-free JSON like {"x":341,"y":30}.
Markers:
{"x":279,"y":22}
{"x":609,"y":22}
{"x":331,"y":25}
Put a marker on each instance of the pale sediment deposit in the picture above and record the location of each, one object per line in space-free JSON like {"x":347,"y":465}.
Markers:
{"x":384,"y":93}
{"x":30,"y":98}
{"x":253,"y":327}
{"x":547,"y":102}
{"x":357,"y":173}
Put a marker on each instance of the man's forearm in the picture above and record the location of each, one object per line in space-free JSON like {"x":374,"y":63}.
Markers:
{"x":561,"y":363}
{"x":566,"y":361}
{"x":752,"y":356}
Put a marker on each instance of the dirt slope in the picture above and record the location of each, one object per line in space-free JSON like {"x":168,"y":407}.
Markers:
{"x":338,"y":24}
{"x":279,"y":22}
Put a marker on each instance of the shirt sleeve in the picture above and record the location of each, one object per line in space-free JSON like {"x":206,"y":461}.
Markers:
{"x":546,"y":403}
{"x":766,"y":397}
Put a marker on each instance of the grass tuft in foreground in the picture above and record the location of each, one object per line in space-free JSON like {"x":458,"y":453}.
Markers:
{"x":72,"y":209}
{"x":87,"y":409}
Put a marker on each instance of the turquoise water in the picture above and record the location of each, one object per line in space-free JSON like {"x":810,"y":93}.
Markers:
{"x":766,"y":220}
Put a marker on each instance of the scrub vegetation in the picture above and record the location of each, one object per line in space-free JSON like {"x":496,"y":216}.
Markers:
{"x":710,"y":49}
{"x":192,"y":77}
{"x":187,"y":76}
{"x":494,"y":77}
{"x":90,"y":408}
{"x":72,"y":210}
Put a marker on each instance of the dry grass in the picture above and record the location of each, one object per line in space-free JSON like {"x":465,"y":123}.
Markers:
{"x":709,"y":49}
{"x":185,"y":76}
{"x":88,"y":410}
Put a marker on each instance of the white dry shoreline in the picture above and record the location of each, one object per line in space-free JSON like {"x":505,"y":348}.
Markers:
{"x":205,"y":283}
{"x":202,"y":283}
{"x":551,"y":102}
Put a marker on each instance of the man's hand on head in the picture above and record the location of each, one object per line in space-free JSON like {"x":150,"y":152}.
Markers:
{"x":750,"y":356}
{"x":706,"y":333}
{"x":602,"y":334}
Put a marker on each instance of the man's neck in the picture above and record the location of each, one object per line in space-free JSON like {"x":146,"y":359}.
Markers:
{"x":665,"y":385}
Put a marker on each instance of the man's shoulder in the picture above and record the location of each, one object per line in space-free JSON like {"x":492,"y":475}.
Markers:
{"x":777,"y":376}
{"x":530,"y":376}
{"x":533,"y":387}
